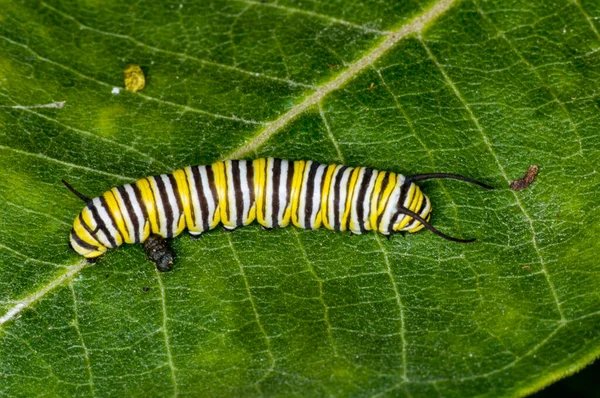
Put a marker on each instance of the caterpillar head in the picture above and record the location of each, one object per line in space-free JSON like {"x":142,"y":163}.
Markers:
{"x":417,"y":202}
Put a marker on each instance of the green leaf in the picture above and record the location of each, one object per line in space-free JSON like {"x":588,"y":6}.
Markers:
{"x":480,"y":88}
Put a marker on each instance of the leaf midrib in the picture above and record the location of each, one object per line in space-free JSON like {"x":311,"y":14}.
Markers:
{"x":415,"y":26}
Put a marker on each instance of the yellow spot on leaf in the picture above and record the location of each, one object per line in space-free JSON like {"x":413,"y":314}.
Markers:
{"x":134,"y":78}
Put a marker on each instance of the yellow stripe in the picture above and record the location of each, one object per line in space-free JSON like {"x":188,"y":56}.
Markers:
{"x":228,"y":186}
{"x":259,"y":188}
{"x":287,"y":213}
{"x":183,"y":189}
{"x":327,"y":186}
{"x":385,"y":197}
{"x":220,"y":183}
{"x":87,"y":253}
{"x":191,"y":222}
{"x":349,"y":197}
{"x":83,"y":234}
{"x":148,"y":198}
{"x":412,"y":190}
{"x":415,"y":200}
{"x":319,"y":216}
{"x":113,"y":207}
{"x":252,"y":211}
{"x":217,"y":213}
{"x":162,"y":221}
{"x":386,"y":193}
{"x":420,"y":226}
{"x":124,"y":213}
{"x":299,"y":166}
{"x":375,"y":200}
{"x":415,"y":207}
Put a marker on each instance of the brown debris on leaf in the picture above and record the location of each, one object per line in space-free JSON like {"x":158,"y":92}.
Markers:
{"x":527,"y":179}
{"x":134,"y":78}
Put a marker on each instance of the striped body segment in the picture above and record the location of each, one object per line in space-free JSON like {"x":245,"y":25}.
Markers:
{"x":273,"y":192}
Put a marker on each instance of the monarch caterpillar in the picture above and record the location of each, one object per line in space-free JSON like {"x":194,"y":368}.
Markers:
{"x":273,"y":192}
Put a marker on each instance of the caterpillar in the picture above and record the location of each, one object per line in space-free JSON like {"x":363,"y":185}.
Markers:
{"x":273,"y":192}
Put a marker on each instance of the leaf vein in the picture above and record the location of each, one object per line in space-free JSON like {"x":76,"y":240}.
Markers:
{"x":184,"y":108}
{"x":68,"y":164}
{"x":175,"y":53}
{"x":256,"y":316}
{"x":416,"y":25}
{"x":489,"y":146}
{"x":165,"y":332}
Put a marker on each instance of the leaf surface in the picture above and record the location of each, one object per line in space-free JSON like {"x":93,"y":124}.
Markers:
{"x":479,"y":88}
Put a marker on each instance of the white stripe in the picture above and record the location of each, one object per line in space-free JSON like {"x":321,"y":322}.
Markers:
{"x":173,"y":202}
{"x":137,"y":209}
{"x":78,"y":248}
{"x":316,"y":194}
{"x":194,"y":202}
{"x":354,"y":202}
{"x":232,"y":215}
{"x":160,"y":208}
{"x":392,"y":206}
{"x":343,"y":194}
{"x":97,"y":236}
{"x":107,"y":221}
{"x":407,"y":200}
{"x":303,"y":193}
{"x":124,"y":215}
{"x":367,"y":201}
{"x":210,"y":199}
{"x":283,"y":191}
{"x":268,"y":194}
{"x":245,"y":191}
{"x":332,"y":193}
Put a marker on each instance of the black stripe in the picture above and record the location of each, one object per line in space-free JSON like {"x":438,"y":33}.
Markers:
{"x":121,"y":212}
{"x":110,"y":215}
{"x":290,"y":180}
{"x":406,"y":185}
{"x":226,"y":189}
{"x":384,"y":184}
{"x":82,"y":243}
{"x":336,"y":197}
{"x":141,"y":203}
{"x":89,"y":229}
{"x":190,"y":204}
{"x":266,"y":184}
{"x":213,"y":188}
{"x":310,"y":187}
{"x":320,"y":196}
{"x":162,"y":190}
{"x":394,"y":220}
{"x":423,"y":205}
{"x":178,"y":200}
{"x":275,"y":199}
{"x":360,"y":208}
{"x":237,"y":192}
{"x":158,"y":222}
{"x":130,"y":213}
{"x":100,"y":225}
{"x":201,"y":197}
{"x":250,"y":179}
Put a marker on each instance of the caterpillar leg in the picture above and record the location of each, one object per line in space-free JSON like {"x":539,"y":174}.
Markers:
{"x":158,"y":251}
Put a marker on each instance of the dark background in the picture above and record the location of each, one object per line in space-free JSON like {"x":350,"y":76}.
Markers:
{"x":583,"y":384}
